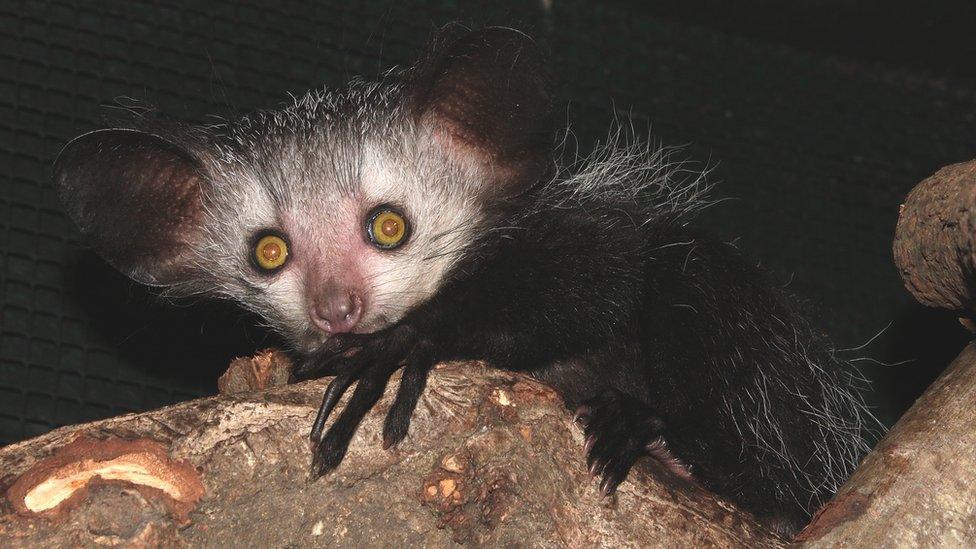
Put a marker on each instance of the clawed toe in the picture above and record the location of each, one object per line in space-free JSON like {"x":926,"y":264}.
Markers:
{"x":370,"y":364}
{"x":588,"y":444}
{"x":658,"y":449}
{"x":618,"y":431}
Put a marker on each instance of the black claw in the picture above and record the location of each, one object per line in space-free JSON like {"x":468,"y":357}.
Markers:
{"x":327,"y":456}
{"x":333,"y":446}
{"x":595,"y":468}
{"x":392,"y":435}
{"x":412,"y":383}
{"x":310,"y":368}
{"x":341,"y":343}
{"x":619,"y":430}
{"x":332,"y":395}
{"x":326,"y":357}
{"x":370,"y":360}
{"x":588,"y":445}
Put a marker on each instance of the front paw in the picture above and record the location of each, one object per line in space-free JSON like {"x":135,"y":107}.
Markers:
{"x":619,"y":430}
{"x":370,"y":362}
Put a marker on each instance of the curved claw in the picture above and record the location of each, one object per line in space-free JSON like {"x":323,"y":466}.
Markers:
{"x":332,"y":395}
{"x":588,"y":445}
{"x":412,"y":383}
{"x":608,"y":486}
{"x":618,"y":431}
{"x":340,"y":343}
{"x":332,"y":448}
{"x":596,"y":467}
{"x":369,"y":359}
{"x":333,"y":349}
{"x":310,"y":368}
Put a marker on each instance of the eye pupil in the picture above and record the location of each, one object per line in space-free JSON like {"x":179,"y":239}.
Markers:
{"x":386,"y":228}
{"x":390,"y":227}
{"x":271,"y":251}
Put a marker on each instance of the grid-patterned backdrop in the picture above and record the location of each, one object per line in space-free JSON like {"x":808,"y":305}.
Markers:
{"x":818,"y":151}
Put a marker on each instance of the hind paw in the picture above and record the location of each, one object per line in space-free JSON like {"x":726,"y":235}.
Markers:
{"x":619,"y":430}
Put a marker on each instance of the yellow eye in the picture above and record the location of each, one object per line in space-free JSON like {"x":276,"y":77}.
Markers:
{"x":386,"y":228}
{"x":270,"y":252}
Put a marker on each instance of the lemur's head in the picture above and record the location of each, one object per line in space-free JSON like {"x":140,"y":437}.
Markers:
{"x":336,"y":214}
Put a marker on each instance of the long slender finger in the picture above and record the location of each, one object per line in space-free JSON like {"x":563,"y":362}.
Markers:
{"x":329,"y":355}
{"x":334,"y":444}
{"x":340,"y":343}
{"x":311,"y":368}
{"x":332,"y":395}
{"x":419,"y":363}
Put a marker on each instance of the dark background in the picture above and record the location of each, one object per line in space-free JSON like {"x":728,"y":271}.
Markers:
{"x":817,"y":116}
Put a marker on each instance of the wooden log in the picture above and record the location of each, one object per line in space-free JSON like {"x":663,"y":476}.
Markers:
{"x":917,"y":488}
{"x":935,"y":239}
{"x":492,"y":458}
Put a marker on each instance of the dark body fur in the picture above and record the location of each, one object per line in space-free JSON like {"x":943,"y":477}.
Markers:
{"x":668,"y":343}
{"x":674,"y":323}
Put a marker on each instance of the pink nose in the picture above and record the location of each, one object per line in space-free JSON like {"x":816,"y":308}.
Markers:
{"x":338,"y":312}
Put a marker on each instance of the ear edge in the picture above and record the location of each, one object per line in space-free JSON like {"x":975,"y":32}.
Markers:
{"x":488,"y":94}
{"x":89,"y":196}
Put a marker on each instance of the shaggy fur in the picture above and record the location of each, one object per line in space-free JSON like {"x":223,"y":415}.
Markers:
{"x":588,"y":276}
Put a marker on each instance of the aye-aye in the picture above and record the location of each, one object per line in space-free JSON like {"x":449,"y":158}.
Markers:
{"x":427,"y":217}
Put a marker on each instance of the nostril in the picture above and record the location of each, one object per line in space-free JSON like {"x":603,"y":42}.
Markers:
{"x":340,"y":308}
{"x":337,"y":313}
{"x":348,"y":313}
{"x":355,"y":308}
{"x":319,"y":314}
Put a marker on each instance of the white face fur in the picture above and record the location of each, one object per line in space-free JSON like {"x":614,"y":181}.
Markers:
{"x":185,"y":209}
{"x":318,"y":195}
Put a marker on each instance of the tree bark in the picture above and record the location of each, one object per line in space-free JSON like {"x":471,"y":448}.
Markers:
{"x":917,"y":488}
{"x":935,"y":239}
{"x":492,"y":458}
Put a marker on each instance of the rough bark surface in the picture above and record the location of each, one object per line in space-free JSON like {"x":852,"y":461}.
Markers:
{"x":917,"y":488}
{"x":267,"y":368}
{"x":935,"y":240}
{"x":492,"y":458}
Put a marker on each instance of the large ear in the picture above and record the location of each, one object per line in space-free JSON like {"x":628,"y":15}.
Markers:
{"x":137,"y":199}
{"x":486,"y":95}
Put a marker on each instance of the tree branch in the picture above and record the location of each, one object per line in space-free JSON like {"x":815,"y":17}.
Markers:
{"x":492,"y":458}
{"x":917,"y":487}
